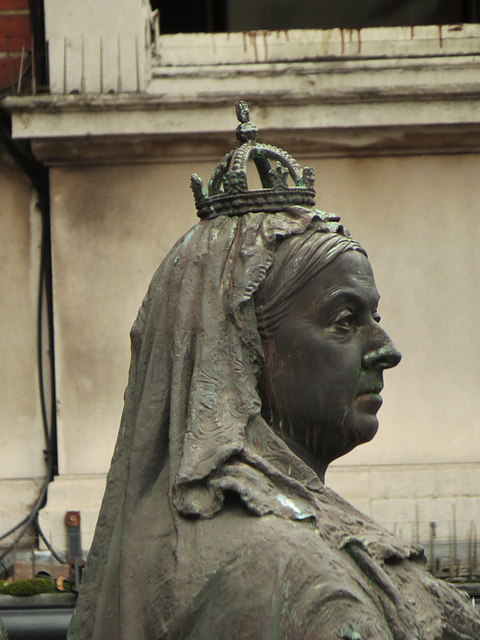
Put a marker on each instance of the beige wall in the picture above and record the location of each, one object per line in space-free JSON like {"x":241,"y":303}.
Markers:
{"x":21,"y":431}
{"x":111,"y":227}
{"x":417,"y":218}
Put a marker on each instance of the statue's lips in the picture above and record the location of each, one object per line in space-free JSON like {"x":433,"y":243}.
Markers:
{"x":370,"y":402}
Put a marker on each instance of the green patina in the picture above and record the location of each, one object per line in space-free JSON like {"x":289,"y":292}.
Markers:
{"x":350,"y":632}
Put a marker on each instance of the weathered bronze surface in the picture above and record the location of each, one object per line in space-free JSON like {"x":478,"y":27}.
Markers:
{"x":257,"y":359}
{"x":228,"y":192}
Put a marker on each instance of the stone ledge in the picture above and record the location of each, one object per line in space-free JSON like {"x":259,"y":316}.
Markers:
{"x":313,"y":44}
{"x":41,"y":601}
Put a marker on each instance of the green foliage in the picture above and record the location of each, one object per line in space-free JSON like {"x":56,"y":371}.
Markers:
{"x":28,"y":587}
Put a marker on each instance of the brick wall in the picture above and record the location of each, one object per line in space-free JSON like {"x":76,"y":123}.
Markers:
{"x":15,"y":37}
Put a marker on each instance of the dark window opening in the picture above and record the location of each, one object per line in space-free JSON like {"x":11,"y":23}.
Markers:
{"x":248,"y":15}
{"x":192,"y":16}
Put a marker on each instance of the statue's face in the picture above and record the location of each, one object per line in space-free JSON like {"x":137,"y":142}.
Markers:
{"x":323,"y":371}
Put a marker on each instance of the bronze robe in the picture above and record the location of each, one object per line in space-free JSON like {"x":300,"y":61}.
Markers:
{"x":211,"y":528}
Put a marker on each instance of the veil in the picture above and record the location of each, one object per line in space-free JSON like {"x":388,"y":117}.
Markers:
{"x":191,"y":428}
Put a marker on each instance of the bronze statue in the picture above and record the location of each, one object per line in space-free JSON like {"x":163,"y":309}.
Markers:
{"x":257,"y":359}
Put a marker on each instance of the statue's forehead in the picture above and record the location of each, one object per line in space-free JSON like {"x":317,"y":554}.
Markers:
{"x":349,"y":277}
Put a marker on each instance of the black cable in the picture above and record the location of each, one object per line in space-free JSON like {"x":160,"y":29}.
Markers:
{"x":41,"y":382}
{"x":47,"y":544}
{"x":30,"y":518}
{"x":39,"y":177}
{"x":14,"y":528}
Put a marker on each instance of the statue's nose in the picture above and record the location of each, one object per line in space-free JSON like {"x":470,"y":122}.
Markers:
{"x":384,"y":355}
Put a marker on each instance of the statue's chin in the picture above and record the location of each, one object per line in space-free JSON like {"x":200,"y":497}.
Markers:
{"x":365,"y":409}
{"x":369,"y":431}
{"x":366,"y":429}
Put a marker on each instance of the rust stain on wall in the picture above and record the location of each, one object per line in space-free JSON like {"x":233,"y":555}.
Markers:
{"x":359,"y":38}
{"x":253,"y":42}
{"x":265,"y":43}
{"x":252,"y":36}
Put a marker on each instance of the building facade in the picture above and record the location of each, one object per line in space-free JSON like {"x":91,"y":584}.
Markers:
{"x":388,"y":117}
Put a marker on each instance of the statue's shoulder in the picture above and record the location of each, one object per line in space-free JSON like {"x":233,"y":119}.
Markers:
{"x":266,"y":573}
{"x":292,"y":576}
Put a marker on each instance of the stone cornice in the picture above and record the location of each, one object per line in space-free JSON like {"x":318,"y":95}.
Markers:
{"x":374,"y":106}
{"x":319,"y":142}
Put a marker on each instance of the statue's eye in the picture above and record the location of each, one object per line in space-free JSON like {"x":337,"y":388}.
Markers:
{"x":376,"y":316}
{"x":346,"y":320}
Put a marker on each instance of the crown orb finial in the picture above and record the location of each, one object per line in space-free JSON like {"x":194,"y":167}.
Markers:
{"x":246,"y":130}
{"x":242,"y":110}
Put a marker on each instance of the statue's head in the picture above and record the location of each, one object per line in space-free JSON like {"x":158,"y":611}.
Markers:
{"x":324,"y":349}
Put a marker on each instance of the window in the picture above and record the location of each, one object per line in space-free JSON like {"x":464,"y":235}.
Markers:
{"x":248,"y":15}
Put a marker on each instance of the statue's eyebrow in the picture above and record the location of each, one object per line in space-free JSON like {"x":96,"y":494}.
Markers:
{"x":344,"y":296}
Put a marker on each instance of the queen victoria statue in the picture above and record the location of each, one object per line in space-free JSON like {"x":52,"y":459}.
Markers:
{"x":257,"y":359}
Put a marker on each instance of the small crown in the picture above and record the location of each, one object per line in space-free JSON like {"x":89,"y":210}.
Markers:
{"x":228,"y":192}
